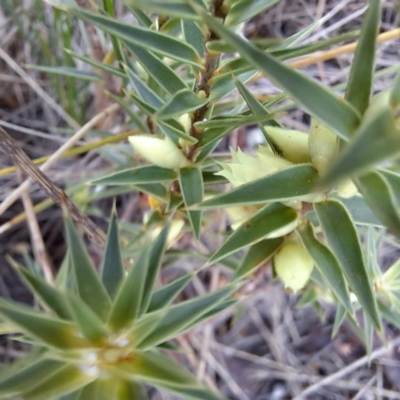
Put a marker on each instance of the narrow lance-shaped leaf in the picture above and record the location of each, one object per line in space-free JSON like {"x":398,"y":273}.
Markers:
{"x":193,"y":35}
{"x":192,"y":187}
{"x":270,"y":220}
{"x":377,"y":140}
{"x":90,"y":325}
{"x":88,"y":283}
{"x":29,"y":376}
{"x":246,"y":9}
{"x":380,"y":197}
{"x":68,"y":71}
{"x":157,"y":69}
{"x":140,"y":36}
{"x":292,"y":182}
{"x":182,"y":102}
{"x":326,"y":264}
{"x":180,"y":316}
{"x":50,"y":331}
{"x":155,"y":257}
{"x":112,"y":270}
{"x":359,"y":87}
{"x":337,"y":114}
{"x":343,"y":240}
{"x":257,"y":255}
{"x":132,"y":176}
{"x":48,"y":295}
{"x":64,"y":381}
{"x":128,"y":300}
{"x":167,"y":293}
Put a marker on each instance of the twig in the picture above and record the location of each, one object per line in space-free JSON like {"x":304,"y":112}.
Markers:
{"x":39,"y":249}
{"x":356,"y":364}
{"x":40,"y":92}
{"x":58,"y":154}
{"x":53,"y":191}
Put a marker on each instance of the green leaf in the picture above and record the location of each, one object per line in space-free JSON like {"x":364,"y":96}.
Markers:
{"x":327,"y":265}
{"x":264,"y":224}
{"x":313,"y":97}
{"x":359,"y":87}
{"x":156,"y":254}
{"x":157,"y":369}
{"x":146,"y":38}
{"x":167,"y":293}
{"x":193,"y":35}
{"x":377,"y":140}
{"x":101,"y":389}
{"x":97,"y":64}
{"x":50,"y":331}
{"x":67,"y":71}
{"x":88,"y":283}
{"x":157,"y":69}
{"x":179,"y":317}
{"x":184,"y":101}
{"x":380,"y":197}
{"x":132,"y":176}
{"x":64,"y":381}
{"x":47,"y":295}
{"x":192,"y":187}
{"x":128,"y":300}
{"x":343,"y":240}
{"x":140,"y":15}
{"x":143,"y":327}
{"x":156,"y":190}
{"x":257,"y":255}
{"x":28,"y":377}
{"x":90,"y":325}
{"x":340,"y":316}
{"x":293,"y":182}
{"x":112,"y":269}
{"x":395,"y":95}
{"x":169,"y":8}
{"x":244,"y":10}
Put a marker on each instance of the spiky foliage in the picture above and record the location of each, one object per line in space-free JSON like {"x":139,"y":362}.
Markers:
{"x":100,"y":336}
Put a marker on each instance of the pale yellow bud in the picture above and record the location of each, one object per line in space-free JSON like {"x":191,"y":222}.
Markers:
{"x":293,"y":265}
{"x":175,"y":232}
{"x":186,"y":122}
{"x":322,"y":146}
{"x":347,"y":189}
{"x":160,"y":152}
{"x":293,"y":144}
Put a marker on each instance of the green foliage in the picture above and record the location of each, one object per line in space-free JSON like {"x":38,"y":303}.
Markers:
{"x":316,"y":192}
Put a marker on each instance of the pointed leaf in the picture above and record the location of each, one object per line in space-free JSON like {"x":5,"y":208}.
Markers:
{"x":258,"y":254}
{"x":192,"y":187}
{"x":182,"y":102}
{"x":343,"y":240}
{"x":132,"y":176}
{"x":90,"y":325}
{"x":128,"y":300}
{"x":29,"y":376}
{"x":167,"y":293}
{"x":326,"y":264}
{"x":50,"y":331}
{"x":157,"y":69}
{"x":156,"y":190}
{"x":48,"y":295}
{"x":193,"y":35}
{"x":112,"y":269}
{"x":292,"y":182}
{"x":68,"y":71}
{"x":244,"y":10}
{"x":180,"y":316}
{"x":377,"y":140}
{"x":380,"y":197}
{"x":319,"y":101}
{"x":144,"y":327}
{"x":263,"y":225}
{"x":340,"y":316}
{"x":156,"y":255}
{"x":146,"y":38}
{"x":64,"y":381}
{"x":101,"y":389}
{"x":88,"y":283}
{"x":359,"y":87}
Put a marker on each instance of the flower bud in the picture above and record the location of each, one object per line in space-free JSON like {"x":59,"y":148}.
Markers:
{"x":347,"y":189}
{"x":160,"y":152}
{"x":293,"y":265}
{"x":322,"y":146}
{"x":175,"y":232}
{"x":186,"y":122}
{"x":293,"y":144}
